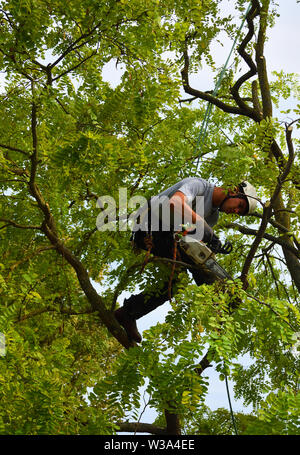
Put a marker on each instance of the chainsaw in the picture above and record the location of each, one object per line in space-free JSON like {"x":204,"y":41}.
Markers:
{"x":202,"y":257}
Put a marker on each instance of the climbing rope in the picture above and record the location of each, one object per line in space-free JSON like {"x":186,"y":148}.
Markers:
{"x":200,"y":140}
{"x":230,"y":406}
{"x":203,"y":129}
{"x":148,"y":241}
{"x":175,"y":252}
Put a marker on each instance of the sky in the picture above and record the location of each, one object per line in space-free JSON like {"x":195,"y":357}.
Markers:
{"x":279,"y":50}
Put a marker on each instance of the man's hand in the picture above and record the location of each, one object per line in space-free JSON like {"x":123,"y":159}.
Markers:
{"x":207,"y":234}
{"x":215,"y":245}
{"x":226,"y":248}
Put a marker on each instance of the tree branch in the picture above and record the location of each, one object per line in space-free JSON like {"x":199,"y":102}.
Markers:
{"x":74,"y":67}
{"x":173,"y":423}
{"x":255,"y":98}
{"x":292,"y":259}
{"x":204,"y":95}
{"x":14,"y":149}
{"x":274,"y":223}
{"x":278,"y":240}
{"x":261,"y":61}
{"x":203,"y":364}
{"x":20,"y":226}
{"x":27,"y":258}
{"x":242,"y":108}
{"x":267,"y":211}
{"x":49,"y":229}
{"x":138,"y":427}
{"x":253,"y":113}
{"x":273,"y":311}
{"x":73,"y":46}
{"x":49,"y":309}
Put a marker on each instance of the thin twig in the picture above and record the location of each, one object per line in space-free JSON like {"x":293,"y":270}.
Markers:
{"x":20,"y":226}
{"x":14,"y":149}
{"x":269,"y":306}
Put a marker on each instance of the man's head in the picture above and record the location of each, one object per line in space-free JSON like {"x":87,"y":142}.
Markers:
{"x":241,"y":201}
{"x":232,"y":204}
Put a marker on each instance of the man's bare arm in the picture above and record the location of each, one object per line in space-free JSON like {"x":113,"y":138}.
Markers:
{"x":181,"y":208}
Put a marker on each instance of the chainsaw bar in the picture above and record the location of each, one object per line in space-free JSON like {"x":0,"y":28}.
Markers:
{"x":202,"y":257}
{"x":216,"y":269}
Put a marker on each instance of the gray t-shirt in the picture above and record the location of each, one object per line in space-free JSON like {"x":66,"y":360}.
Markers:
{"x":198,"y":194}
{"x":193,"y":187}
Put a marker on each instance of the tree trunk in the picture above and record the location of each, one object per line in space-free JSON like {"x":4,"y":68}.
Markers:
{"x":173,"y":423}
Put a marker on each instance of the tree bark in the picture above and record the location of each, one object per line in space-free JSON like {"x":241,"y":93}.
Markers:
{"x":173,"y":423}
{"x":140,"y":427}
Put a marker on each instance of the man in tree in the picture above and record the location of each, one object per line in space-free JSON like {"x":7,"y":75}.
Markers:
{"x":156,"y":228}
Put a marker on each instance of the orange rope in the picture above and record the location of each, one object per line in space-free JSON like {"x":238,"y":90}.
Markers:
{"x":172,"y":271}
{"x":149,"y":244}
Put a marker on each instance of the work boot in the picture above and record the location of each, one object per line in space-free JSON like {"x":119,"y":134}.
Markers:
{"x":128,"y":323}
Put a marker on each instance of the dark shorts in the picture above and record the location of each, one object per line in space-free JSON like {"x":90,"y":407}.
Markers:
{"x":162,"y":242}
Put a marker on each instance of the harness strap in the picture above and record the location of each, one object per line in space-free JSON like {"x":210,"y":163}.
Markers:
{"x":173,"y":270}
{"x":148,"y":240}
